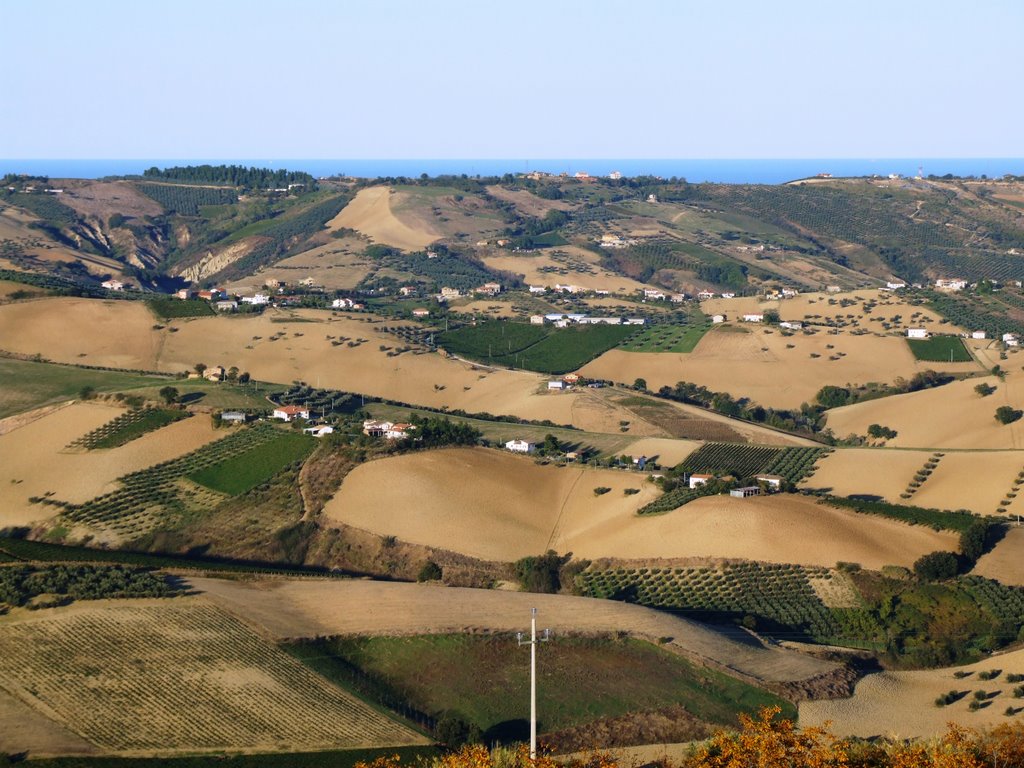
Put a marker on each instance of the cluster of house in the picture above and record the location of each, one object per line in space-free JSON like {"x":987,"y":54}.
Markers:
{"x":114,"y":285}
{"x":389,"y":430}
{"x":447,"y":293}
{"x":575,"y":318}
{"x":614,"y":241}
{"x":1009,"y":339}
{"x":569,"y":381}
{"x":566,"y":288}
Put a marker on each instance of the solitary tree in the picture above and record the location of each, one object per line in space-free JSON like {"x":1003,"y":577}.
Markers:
{"x":1006,"y":415}
{"x":169,"y":394}
{"x":199,"y":368}
{"x":87,"y":393}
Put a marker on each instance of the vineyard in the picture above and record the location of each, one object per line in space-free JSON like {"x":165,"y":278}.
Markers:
{"x":945,"y":349}
{"x":127,"y":427}
{"x":182,"y":676}
{"x":665,"y":338}
{"x":185,"y":200}
{"x":673,"y":499}
{"x":160,"y":496}
{"x":167,"y":308}
{"x":994,"y":316}
{"x":1005,"y":604}
{"x":780,"y":598}
{"x":793,"y":464}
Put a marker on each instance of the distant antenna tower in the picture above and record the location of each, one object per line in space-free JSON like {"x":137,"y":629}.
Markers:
{"x":920,"y":172}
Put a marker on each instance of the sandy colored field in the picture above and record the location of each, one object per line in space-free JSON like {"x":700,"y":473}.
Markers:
{"x":307,"y":608}
{"x":488,"y":307}
{"x":953,"y":416}
{"x":22,"y":729}
{"x":36,"y":462}
{"x":370,"y":213}
{"x":823,"y":307}
{"x":528,"y":203}
{"x":337,"y":265}
{"x":102,"y":199}
{"x":977,"y":481}
{"x":900,"y":704}
{"x":580,"y":268}
{"x":870,"y":471}
{"x":120,"y":334}
{"x":761,"y":364}
{"x":162,"y":676}
{"x":485,"y":503}
{"x":1005,"y":563}
{"x":7,"y":288}
{"x":497,"y":506}
{"x":668,"y":453}
{"x":14,"y":226}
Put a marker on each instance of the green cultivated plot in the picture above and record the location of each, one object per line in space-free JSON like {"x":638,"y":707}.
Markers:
{"x":128,"y":427}
{"x":665,"y":338}
{"x":245,"y":471}
{"x":168,"y":308}
{"x":946,"y":349}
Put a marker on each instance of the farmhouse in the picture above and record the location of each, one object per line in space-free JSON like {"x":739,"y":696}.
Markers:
{"x":185,"y":294}
{"x":319,"y":431}
{"x":212,"y":294}
{"x":113,"y":285}
{"x":571,"y":378}
{"x":728,"y":295}
{"x":634,"y":321}
{"x":373,"y":428}
{"x":490,"y":289}
{"x":536,"y":319}
{"x":450,"y":293}
{"x":568,"y":288}
{"x":556,"y":385}
{"x":753,"y":317}
{"x":343,"y":304}
{"x":289,"y":412}
{"x":521,"y":446}
{"x":226,"y":306}
{"x":772,"y":481}
{"x":895,"y":285}
{"x":699,"y":479}
{"x":538,"y":289}
{"x":420,"y":312}
{"x":407,"y":290}
{"x":791,"y":325}
{"x":233,"y":417}
{"x":704,"y":295}
{"x":258,"y":299}
{"x":742,"y":493}
{"x":214,"y":373}
{"x":677,"y":298}
{"x":718,"y":318}
{"x":398,"y":431}
{"x":950,"y":284}
{"x":917,"y":333}
{"x":832,"y":289}
{"x":653,"y":294}
{"x":1011,"y":340}
{"x":611,"y":241}
{"x":273,"y":283}
{"x":978,"y":335}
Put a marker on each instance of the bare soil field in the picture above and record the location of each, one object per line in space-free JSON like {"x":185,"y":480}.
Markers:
{"x":486,"y":503}
{"x":102,"y":199}
{"x":23,"y":729}
{"x":163,"y":676}
{"x":953,"y":416}
{"x":666,"y":452}
{"x":455,"y":214}
{"x":1004,"y":563}
{"x":497,"y":506}
{"x":901,"y":704}
{"x":371,"y":214}
{"x":976,"y":480}
{"x":575,"y":266}
{"x":824,"y":308}
{"x":337,"y":265}
{"x":308,"y":608}
{"x":489,"y":307}
{"x":528,"y":203}
{"x":869,"y":471}
{"x":771,"y":369}
{"x":36,"y":462}
{"x":14,"y":227}
{"x":283,"y":346}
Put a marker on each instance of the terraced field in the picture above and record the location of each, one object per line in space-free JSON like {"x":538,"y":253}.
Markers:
{"x":179,"y":676}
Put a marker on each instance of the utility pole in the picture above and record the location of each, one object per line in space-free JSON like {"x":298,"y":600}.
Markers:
{"x":532,"y":642}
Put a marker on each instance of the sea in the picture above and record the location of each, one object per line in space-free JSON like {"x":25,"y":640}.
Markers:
{"x":726,"y":171}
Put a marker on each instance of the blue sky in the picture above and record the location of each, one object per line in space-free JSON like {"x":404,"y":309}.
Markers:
{"x":471,"y":78}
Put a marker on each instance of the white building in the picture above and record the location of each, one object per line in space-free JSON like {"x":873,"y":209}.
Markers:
{"x":895,"y":285}
{"x":1011,"y":340}
{"x":319,"y":431}
{"x":536,"y":319}
{"x":753,"y":317}
{"x":917,"y":333}
{"x":634,"y":321}
{"x":704,"y":295}
{"x":697,"y":479}
{"x":398,"y":431}
{"x":113,"y":285}
{"x":538,"y":289}
{"x":951,"y":284}
{"x":558,"y":385}
{"x":257,"y":299}
{"x":653,"y":294}
{"x":791,"y":325}
{"x":978,"y":335}
{"x":521,"y":446}
{"x":289,"y":412}
{"x":342,"y":304}
{"x":718,"y":318}
{"x":614,"y":175}
{"x":728,"y":295}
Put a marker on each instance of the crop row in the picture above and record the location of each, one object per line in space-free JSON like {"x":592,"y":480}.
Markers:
{"x":670,"y":500}
{"x":1004,"y":603}
{"x":186,"y":201}
{"x":778,"y":596}
{"x":794,"y":464}
{"x":127,"y":427}
{"x":155,"y":493}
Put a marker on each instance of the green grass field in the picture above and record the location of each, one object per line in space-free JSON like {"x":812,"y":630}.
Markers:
{"x":167,"y":308}
{"x":486,"y":678}
{"x":534,"y":347}
{"x":665,"y":338}
{"x":27,"y":385}
{"x":244,"y":472}
{"x":940,"y":349}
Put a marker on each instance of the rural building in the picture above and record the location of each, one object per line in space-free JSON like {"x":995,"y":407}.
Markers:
{"x":113,"y":285}
{"x":211,"y":295}
{"x":640,"y":462}
{"x":978,"y":335}
{"x":538,"y":289}
{"x":398,"y":431}
{"x":791,"y":325}
{"x":718,"y":318}
{"x":614,"y":175}
{"x":950,"y":284}
{"x":521,"y":446}
{"x":226,"y":306}
{"x":343,"y":304}
{"x":917,"y":333}
{"x":1010,"y":340}
{"x":895,"y":285}
{"x":407,"y":290}
{"x":289,"y":412}
{"x":273,"y":283}
{"x":556,"y":385}
{"x":704,"y":295}
{"x":772,"y":481}
{"x":753,"y":317}
{"x":233,"y":417}
{"x":789,"y":293}
{"x":536,"y":319}
{"x":450,"y":293}
{"x":728,"y":295}
{"x":490,"y":289}
{"x":742,"y":493}
{"x":571,"y":378}
{"x":634,"y":321}
{"x":653,"y":294}
{"x":214,"y":373}
{"x":258,"y":299}
{"x":185,"y":294}
{"x":420,"y":312}
{"x":699,"y":479}
{"x":373,"y":428}
{"x":561,"y":323}
{"x":833,"y":289}
{"x":652,"y":198}
{"x":611,"y":241}
{"x":677,"y":298}
{"x":568,"y":288}
{"x":318,"y":431}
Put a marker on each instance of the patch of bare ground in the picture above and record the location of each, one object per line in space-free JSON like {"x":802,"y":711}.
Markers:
{"x":27,"y":730}
{"x":321,"y":476}
{"x":528,"y":203}
{"x":370,"y":213}
{"x":289,"y":608}
{"x":1004,"y":563}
